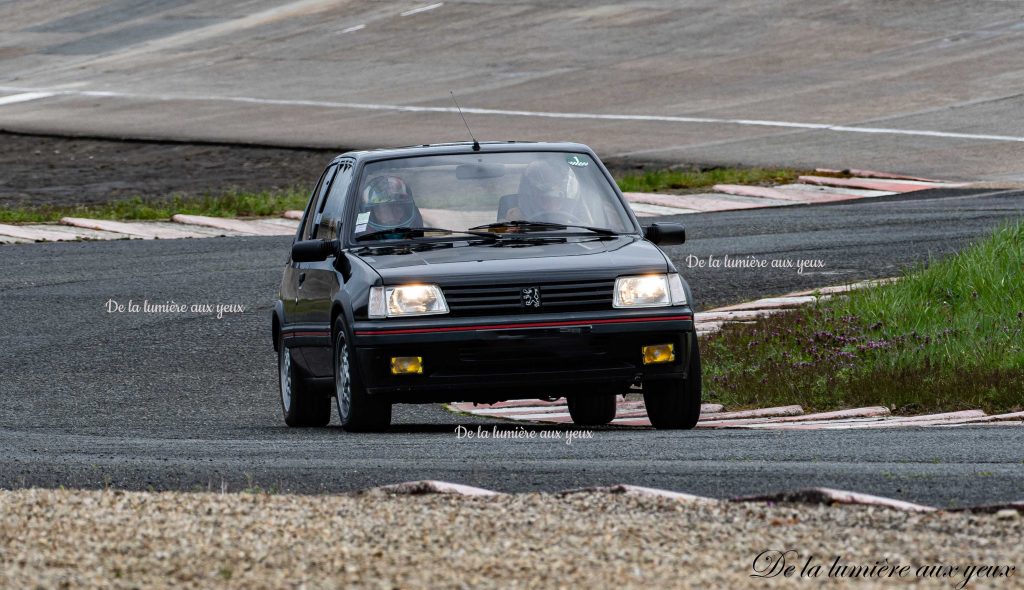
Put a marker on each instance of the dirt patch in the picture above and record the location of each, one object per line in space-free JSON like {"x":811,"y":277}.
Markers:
{"x":48,"y":170}
{"x":58,"y":171}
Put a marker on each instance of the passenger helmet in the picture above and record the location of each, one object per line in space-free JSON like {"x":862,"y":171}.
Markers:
{"x":547,"y":187}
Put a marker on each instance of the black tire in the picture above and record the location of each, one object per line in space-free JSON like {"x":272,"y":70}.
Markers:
{"x":359,"y":411}
{"x":592,"y":409}
{"x":674,"y":404}
{"x":302,"y":403}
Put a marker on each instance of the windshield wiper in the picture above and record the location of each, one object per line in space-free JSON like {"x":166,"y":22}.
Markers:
{"x":542,"y":226}
{"x":406,"y":231}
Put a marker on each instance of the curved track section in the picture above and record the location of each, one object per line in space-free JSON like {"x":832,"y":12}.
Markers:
{"x":183,"y":400}
{"x":923,"y":88}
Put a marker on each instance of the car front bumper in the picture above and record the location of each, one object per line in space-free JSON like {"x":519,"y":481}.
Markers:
{"x":508,"y":357}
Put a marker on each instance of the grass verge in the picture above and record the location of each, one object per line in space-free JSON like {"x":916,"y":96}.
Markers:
{"x":948,"y":336}
{"x":224,"y":205}
{"x":667,"y":180}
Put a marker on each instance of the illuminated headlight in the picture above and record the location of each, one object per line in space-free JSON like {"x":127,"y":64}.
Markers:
{"x":406,"y":300}
{"x":649,"y":291}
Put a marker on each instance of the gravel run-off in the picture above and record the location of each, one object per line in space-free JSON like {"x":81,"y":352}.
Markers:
{"x":58,"y":538}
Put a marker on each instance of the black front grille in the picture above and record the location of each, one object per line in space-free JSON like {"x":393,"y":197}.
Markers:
{"x":505,"y":299}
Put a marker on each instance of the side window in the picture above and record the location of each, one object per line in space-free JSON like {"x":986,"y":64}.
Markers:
{"x":330,"y":220}
{"x":309,"y":220}
{"x":309,"y":207}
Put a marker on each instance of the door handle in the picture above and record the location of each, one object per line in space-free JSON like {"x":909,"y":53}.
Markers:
{"x":302,"y":278}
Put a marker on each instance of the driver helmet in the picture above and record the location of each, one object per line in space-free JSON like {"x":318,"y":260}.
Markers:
{"x":390,"y":203}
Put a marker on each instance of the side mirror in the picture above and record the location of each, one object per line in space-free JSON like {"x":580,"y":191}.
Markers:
{"x":313,"y":250}
{"x":665,"y":234}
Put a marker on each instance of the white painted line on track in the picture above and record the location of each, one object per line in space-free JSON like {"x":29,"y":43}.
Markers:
{"x":853,"y":415}
{"x":881,"y":184}
{"x":430,"y":486}
{"x":809,"y":425}
{"x":976,"y":424}
{"x":421,"y":9}
{"x":906,"y":182}
{"x":354,"y":29}
{"x":632,"y":413}
{"x":542,"y":416}
{"x":197,"y":231}
{"x":34,"y":233}
{"x":771,"y":303}
{"x":832,"y":496}
{"x":515,"y":402}
{"x":278,"y":221}
{"x":633,"y":421}
{"x":236,"y":225}
{"x":658,"y":210}
{"x":24,"y":97}
{"x":699,"y":203}
{"x":514,"y":410}
{"x":808,"y":496}
{"x":1012,"y":416}
{"x":921,"y":420}
{"x":142,"y":230}
{"x":793,"y":410}
{"x":523,"y":113}
{"x":282,"y":226}
{"x":771,"y":192}
{"x":877,"y":174}
{"x":815,"y":188}
{"x":710,"y":317}
{"x":632,"y":490}
{"x":81,"y":233}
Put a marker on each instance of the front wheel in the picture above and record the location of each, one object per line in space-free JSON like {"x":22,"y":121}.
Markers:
{"x":360,"y":412}
{"x":592,"y":410}
{"x":302,"y":403}
{"x":674,"y":404}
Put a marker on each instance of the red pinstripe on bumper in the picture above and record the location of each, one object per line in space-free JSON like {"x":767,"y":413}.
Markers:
{"x":524,"y":325}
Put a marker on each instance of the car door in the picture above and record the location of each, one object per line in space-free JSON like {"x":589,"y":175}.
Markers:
{"x":321,"y":279}
{"x":296,"y":311}
{"x":319,"y":282}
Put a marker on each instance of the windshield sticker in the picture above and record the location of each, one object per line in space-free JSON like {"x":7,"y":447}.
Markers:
{"x":575,"y":160}
{"x":363,"y":218}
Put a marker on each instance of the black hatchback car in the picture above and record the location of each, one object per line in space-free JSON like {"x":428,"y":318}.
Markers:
{"x":480,"y":272}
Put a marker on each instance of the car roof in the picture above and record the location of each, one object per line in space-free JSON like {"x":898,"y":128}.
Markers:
{"x":465,"y":147}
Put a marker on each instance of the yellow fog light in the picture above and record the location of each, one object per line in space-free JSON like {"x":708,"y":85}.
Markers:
{"x":659,"y":353}
{"x":406,"y":365}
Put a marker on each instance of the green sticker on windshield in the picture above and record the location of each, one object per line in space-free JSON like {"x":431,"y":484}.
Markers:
{"x":577,"y":160}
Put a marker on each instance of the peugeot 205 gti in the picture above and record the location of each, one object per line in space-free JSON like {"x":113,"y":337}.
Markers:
{"x":480,"y":272}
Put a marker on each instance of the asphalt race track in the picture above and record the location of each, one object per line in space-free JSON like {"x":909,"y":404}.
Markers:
{"x":927,"y":88}
{"x":187,"y":401}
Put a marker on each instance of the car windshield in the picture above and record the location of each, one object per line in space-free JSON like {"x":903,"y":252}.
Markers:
{"x":486,"y":192}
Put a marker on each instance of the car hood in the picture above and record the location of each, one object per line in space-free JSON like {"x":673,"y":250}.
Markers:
{"x":572,"y":258}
